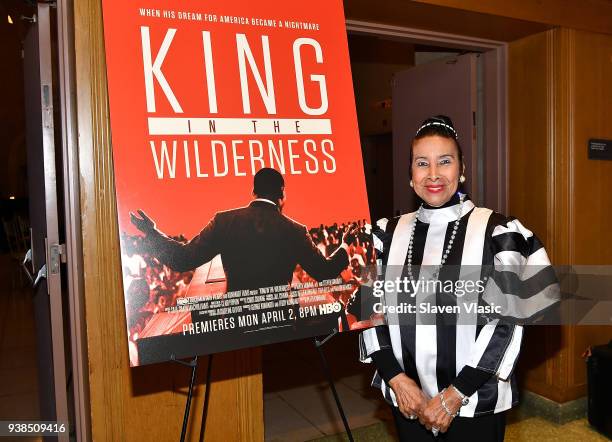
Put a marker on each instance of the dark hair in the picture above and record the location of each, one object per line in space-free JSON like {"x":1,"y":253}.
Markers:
{"x":268,"y":183}
{"x":442,"y":126}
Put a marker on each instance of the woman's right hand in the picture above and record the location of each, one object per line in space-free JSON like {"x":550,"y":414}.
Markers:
{"x":410,"y":398}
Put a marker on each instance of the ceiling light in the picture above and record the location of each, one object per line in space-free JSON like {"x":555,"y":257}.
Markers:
{"x":11,"y":197}
{"x":10,"y":20}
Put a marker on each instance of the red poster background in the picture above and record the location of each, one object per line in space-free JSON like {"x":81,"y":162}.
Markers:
{"x":184,"y":205}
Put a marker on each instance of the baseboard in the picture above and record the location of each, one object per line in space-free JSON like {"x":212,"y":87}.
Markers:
{"x":532,"y":404}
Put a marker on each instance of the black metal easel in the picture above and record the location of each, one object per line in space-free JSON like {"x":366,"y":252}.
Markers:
{"x":193,"y":364}
{"x":206,"y":399}
{"x":318,"y":344}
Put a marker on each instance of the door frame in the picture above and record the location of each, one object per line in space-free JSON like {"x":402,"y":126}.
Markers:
{"x":48,"y":281}
{"x":72,"y":211}
{"x":495,"y":79}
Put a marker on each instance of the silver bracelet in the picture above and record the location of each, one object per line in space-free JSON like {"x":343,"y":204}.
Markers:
{"x":464,"y":399}
{"x":446,"y":409}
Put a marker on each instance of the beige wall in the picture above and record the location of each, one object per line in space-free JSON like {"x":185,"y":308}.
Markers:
{"x":559,"y":95}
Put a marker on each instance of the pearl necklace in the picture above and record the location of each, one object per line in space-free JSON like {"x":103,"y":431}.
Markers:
{"x":448,"y":247}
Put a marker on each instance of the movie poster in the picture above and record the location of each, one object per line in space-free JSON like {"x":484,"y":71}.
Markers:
{"x":207,"y":98}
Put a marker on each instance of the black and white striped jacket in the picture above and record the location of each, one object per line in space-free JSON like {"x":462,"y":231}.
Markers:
{"x":434,"y":354}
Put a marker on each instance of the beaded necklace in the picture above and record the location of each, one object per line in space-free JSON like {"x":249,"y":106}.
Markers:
{"x":448,"y":247}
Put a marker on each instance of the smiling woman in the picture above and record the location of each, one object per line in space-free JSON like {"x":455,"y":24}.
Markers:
{"x":438,"y":376}
{"x":436,"y":160}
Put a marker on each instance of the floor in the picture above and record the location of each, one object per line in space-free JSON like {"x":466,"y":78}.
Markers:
{"x":18,"y":370}
{"x":299,"y":406}
{"x":309,"y":412}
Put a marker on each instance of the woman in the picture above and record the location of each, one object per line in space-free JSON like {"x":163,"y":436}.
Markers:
{"x":453,"y":382}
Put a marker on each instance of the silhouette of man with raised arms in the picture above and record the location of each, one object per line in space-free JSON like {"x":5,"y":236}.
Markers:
{"x":259,"y":246}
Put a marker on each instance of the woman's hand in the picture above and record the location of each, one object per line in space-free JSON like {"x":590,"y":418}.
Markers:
{"x":410,"y":398}
{"x":434,"y":415}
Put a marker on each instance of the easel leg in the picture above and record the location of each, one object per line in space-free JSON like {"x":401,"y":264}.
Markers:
{"x":318,"y":345}
{"x":206,"y":398}
{"x":193,"y":364}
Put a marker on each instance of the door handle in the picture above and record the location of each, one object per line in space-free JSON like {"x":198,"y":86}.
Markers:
{"x":42,"y":273}
{"x":24,"y":265}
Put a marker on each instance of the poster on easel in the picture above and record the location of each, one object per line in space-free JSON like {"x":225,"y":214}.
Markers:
{"x":241,"y":199}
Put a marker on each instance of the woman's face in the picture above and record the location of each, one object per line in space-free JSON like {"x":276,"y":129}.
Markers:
{"x":435,"y":169}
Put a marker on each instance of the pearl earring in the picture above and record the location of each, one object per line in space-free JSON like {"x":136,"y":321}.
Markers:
{"x":462,"y":179}
{"x":411,"y":184}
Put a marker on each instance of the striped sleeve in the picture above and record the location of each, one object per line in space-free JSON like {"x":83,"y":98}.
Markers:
{"x":523,"y":284}
{"x":376,"y":338}
{"x":372,"y":340}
